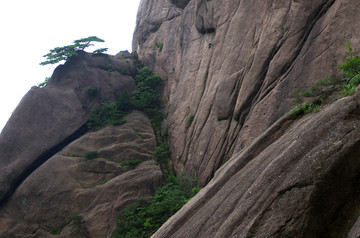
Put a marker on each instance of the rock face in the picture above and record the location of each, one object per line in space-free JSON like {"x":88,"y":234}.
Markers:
{"x":54,"y":178}
{"x":48,"y":118}
{"x":298,"y":179}
{"x":235,"y":68}
{"x":232,"y":69}
{"x":81,"y":198}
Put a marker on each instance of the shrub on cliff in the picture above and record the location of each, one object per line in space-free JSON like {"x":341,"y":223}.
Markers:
{"x":351,"y":67}
{"x":59,"y":54}
{"x":145,"y":216}
{"x":145,"y":98}
{"x":324,"y":90}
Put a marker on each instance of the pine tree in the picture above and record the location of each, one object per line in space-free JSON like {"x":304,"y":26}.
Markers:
{"x":59,"y":54}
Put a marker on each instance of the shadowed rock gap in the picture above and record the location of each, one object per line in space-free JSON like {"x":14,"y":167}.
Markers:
{"x":42,"y":159}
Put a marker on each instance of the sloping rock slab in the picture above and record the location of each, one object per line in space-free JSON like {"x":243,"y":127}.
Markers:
{"x":298,"y":179}
{"x":81,"y":198}
{"x":50,"y":117}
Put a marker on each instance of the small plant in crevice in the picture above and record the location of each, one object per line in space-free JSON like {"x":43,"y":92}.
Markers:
{"x":139,"y":134}
{"x":324,"y":88}
{"x":75,"y":222}
{"x":296,"y":95}
{"x":351,"y":66}
{"x":163,"y":155}
{"x":105,"y":181}
{"x":92,"y":91}
{"x":91,"y":155}
{"x":54,"y":231}
{"x":226,"y":159}
{"x":344,"y":83}
{"x":131,"y":163}
{"x":160,"y":46}
{"x":190,"y":120}
{"x":74,"y":155}
{"x":303,"y":109}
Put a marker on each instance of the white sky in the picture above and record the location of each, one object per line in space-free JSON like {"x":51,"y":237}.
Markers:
{"x":29,"y":29}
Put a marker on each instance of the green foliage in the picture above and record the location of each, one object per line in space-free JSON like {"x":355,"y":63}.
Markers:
{"x":303,"y":109}
{"x":75,"y":222}
{"x":189,"y":121}
{"x":145,"y":98}
{"x":351,"y":66}
{"x":295,"y":113}
{"x":59,"y":54}
{"x":349,"y":89}
{"x":123,"y":103}
{"x":145,"y":216}
{"x":99,"y":51}
{"x":91,"y":155}
{"x":324,"y":89}
{"x":74,"y":155}
{"x":92,"y":91}
{"x":138,"y":133}
{"x":160,"y":46}
{"x":162,"y":152}
{"x":43,"y":84}
{"x":297,"y":96}
{"x":226,"y":159}
{"x":75,"y":219}
{"x":132,"y":163}
{"x":350,"y":70}
{"x":337,"y":143}
{"x":105,"y":181}
{"x":109,"y":114}
{"x":54,"y":231}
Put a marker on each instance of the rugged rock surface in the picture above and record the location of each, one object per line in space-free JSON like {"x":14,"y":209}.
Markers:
{"x":298,"y":179}
{"x":50,"y":117}
{"x":232,"y":69}
{"x":46,"y":188}
{"x":67,"y":186}
{"x":235,"y":65}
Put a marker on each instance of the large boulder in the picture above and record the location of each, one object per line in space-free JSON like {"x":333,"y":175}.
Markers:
{"x":48,"y":118}
{"x":234,"y":68}
{"x":73,"y":195}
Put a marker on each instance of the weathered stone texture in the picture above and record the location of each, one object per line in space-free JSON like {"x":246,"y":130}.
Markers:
{"x":298,"y":179}
{"x":47,"y":118}
{"x":235,"y":65}
{"x":67,"y":185}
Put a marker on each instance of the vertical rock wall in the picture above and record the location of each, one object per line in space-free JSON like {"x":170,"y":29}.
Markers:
{"x":234,"y":66}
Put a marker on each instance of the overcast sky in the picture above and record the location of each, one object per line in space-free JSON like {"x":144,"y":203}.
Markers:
{"x":29,"y":29}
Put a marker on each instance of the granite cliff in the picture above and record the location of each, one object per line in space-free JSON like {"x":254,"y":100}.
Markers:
{"x":232,"y":70}
{"x":234,"y":67}
{"x":235,"y":64}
